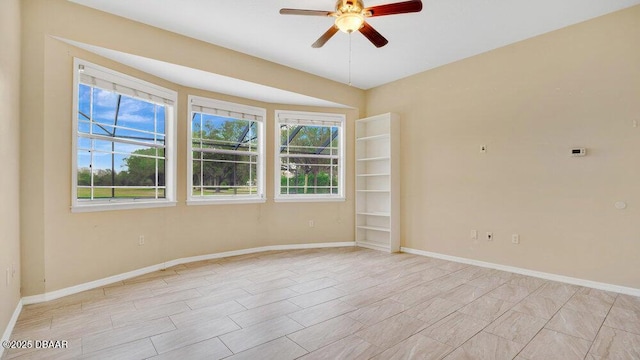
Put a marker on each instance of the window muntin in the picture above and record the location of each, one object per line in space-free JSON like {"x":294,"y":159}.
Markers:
{"x":226,"y":148}
{"x":310,"y":156}
{"x":122,"y":141}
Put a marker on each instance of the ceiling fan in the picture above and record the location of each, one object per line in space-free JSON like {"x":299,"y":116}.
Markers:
{"x":350,"y":16}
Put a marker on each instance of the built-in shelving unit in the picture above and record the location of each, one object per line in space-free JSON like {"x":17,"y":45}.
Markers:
{"x":377,"y":182}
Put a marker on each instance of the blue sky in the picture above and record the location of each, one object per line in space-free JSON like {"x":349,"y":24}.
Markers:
{"x":134,"y":114}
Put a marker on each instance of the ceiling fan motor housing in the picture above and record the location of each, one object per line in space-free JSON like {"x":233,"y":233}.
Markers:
{"x":349,"y":6}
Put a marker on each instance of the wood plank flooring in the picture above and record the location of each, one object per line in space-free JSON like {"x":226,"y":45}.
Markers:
{"x":340,"y":303}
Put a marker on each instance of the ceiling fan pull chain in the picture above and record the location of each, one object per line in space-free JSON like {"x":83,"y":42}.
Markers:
{"x":350,"y":58}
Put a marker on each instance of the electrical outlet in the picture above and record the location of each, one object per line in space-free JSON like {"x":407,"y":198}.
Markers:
{"x":474,"y":234}
{"x":312,"y":223}
{"x":141,"y":240}
{"x":13,"y":270}
{"x":515,"y":239}
{"x":489,"y":236}
{"x":634,"y":123}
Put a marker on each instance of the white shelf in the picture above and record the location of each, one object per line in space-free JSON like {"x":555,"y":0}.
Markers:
{"x":381,"y":158}
{"x":374,"y":246}
{"x":372,"y":175}
{"x":374,"y":228}
{"x":373,"y":137}
{"x":377,"y":183}
{"x":381,"y":214}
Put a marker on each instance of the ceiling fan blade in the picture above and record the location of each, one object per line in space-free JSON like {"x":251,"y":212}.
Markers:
{"x":374,"y":36}
{"x":395,"y":8}
{"x":325,"y":37}
{"x":305,"y":12}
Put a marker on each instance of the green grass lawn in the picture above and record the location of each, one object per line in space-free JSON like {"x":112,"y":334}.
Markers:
{"x":227,"y":191}
{"x":131,"y":193}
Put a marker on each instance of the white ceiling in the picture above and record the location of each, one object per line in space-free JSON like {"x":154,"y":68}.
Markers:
{"x":445,"y":31}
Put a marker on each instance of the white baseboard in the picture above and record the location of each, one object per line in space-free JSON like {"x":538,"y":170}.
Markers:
{"x":372,"y":246}
{"x":533,"y":273}
{"x":171,"y":263}
{"x":27,"y":300}
{"x":12,"y":323}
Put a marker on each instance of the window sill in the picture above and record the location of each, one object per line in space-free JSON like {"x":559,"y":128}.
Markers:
{"x":310,"y":199}
{"x":108,"y":206}
{"x":225,"y":201}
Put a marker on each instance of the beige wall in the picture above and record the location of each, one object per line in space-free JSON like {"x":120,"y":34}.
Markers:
{"x":529,"y":103}
{"x":10,"y":158}
{"x":73,"y":248}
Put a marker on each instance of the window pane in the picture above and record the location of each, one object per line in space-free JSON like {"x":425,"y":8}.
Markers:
{"x":224,"y":174}
{"x":84,"y":143}
{"x":84,"y":176}
{"x":310,"y":162}
{"x":125,"y":167}
{"x":101,"y":129}
{"x":134,"y":193}
{"x":104,"y":106}
{"x":309,"y":175}
{"x":84,"y":102}
{"x":224,"y":168}
{"x":83,"y":126}
{"x":230,"y":183}
{"x":160,"y":118}
{"x":309,"y":139}
{"x":140,"y":171}
{"x":136,"y":114}
{"x":223,"y":133}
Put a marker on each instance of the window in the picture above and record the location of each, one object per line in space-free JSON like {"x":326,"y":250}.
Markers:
{"x":310,"y":156}
{"x":123,"y":143}
{"x":226,"y":147}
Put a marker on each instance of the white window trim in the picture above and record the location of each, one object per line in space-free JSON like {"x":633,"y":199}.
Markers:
{"x":79,"y":206}
{"x":260,"y":197}
{"x":302,"y":115}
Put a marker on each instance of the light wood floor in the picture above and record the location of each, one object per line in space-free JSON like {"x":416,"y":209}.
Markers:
{"x":346,"y":303}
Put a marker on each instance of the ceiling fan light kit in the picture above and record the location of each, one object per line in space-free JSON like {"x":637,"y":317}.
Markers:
{"x":349,"y":17}
{"x":349,"y":22}
{"x":351,"y":14}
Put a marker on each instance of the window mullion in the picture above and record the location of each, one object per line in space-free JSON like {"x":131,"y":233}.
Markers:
{"x":91,"y":167}
{"x":155,"y":130}
{"x":288,"y":149}
{"x":201,"y":156}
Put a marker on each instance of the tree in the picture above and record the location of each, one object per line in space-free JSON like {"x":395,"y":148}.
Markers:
{"x":310,"y":140}
{"x":141,"y":170}
{"x":84,"y":177}
{"x":102,"y":177}
{"x":222,"y":169}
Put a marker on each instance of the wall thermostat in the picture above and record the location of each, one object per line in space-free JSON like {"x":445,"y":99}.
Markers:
{"x":578,"y":152}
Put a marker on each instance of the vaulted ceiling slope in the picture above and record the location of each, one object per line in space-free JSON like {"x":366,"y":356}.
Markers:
{"x":443,"y":32}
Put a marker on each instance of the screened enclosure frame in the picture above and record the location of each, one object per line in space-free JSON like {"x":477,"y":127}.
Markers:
{"x":131,"y":89}
{"x":323,"y":154}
